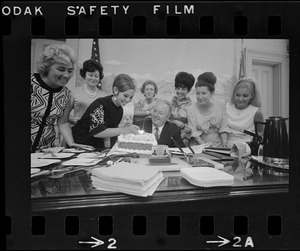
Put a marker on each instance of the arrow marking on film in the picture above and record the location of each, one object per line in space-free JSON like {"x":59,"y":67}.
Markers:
{"x":95,"y":243}
{"x":223,"y":241}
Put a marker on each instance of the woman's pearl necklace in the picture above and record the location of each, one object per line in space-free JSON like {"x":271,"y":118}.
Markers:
{"x":91,"y":94}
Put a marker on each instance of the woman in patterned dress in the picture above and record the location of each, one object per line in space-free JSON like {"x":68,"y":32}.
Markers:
{"x":207,"y":117}
{"x":181,"y":102}
{"x":143,"y":108}
{"x":102,"y":117}
{"x":50,"y":98}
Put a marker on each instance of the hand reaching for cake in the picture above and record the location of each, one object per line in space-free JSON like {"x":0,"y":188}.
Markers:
{"x":131,"y":129}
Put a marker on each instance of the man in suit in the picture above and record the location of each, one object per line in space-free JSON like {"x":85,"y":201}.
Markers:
{"x":159,"y":126}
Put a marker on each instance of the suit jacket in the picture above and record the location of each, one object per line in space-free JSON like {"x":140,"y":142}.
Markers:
{"x":169,"y":130}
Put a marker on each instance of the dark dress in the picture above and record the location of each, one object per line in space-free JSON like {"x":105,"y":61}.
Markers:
{"x":169,"y":130}
{"x":100,"y":115}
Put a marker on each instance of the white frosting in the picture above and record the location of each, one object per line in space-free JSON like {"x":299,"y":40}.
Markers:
{"x":146,"y":138}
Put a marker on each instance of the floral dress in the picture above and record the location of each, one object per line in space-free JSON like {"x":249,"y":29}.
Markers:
{"x":143,"y":105}
{"x":179,"y":112}
{"x":208,"y":127}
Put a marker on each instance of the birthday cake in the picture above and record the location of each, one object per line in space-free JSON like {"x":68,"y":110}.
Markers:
{"x":136,"y":143}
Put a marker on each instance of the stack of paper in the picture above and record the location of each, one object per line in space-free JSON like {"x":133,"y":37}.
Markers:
{"x":127,"y":178}
{"x":207,"y":177}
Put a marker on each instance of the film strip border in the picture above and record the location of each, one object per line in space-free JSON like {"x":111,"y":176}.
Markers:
{"x":241,"y":231}
{"x":191,"y":19}
{"x":170,"y":20}
{"x":140,"y":26}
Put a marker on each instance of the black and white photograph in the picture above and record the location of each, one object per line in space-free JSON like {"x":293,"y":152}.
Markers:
{"x":141,"y":142}
{"x":220,"y":106}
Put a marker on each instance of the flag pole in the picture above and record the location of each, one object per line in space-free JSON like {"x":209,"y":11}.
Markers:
{"x":95,"y":54}
{"x":242,"y":65}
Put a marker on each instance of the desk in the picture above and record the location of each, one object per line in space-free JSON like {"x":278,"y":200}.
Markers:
{"x":75,"y":189}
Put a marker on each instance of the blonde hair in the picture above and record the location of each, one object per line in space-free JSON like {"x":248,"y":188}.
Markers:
{"x":251,"y":84}
{"x":52,"y":54}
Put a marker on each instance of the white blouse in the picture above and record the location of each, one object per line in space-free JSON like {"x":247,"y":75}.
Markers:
{"x":243,"y":119}
{"x":128,"y":113}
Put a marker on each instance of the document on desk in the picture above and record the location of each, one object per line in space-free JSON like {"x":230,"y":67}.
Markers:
{"x":127,"y":178}
{"x":206,"y":162}
{"x":175,"y":165}
{"x":196,"y":149}
{"x":207,"y":177}
{"x":225,"y":151}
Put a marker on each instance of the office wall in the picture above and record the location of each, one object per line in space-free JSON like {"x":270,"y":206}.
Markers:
{"x":161,"y":59}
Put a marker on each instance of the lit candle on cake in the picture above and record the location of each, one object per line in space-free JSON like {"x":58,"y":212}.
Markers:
{"x":141,"y":131}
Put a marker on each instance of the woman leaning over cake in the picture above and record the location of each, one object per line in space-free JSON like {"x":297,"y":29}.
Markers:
{"x":181,"y":102}
{"x":207,"y":117}
{"x":102,"y":117}
{"x":50,"y":98}
{"x":243,"y":111}
{"x":143,"y":108}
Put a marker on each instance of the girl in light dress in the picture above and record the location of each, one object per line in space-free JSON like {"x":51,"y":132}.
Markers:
{"x":243,"y":111}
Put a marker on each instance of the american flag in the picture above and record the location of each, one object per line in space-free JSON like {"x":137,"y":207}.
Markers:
{"x":96,"y":55}
{"x":242,"y":71}
{"x":95,"y":50}
{"x":242,"y":65}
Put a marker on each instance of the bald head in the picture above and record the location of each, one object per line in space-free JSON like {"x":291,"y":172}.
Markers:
{"x":161,"y":112}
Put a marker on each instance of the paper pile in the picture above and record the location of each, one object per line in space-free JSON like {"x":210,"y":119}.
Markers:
{"x":207,"y":177}
{"x":127,"y":178}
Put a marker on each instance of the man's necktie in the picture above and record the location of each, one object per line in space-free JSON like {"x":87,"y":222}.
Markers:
{"x":156,"y":133}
